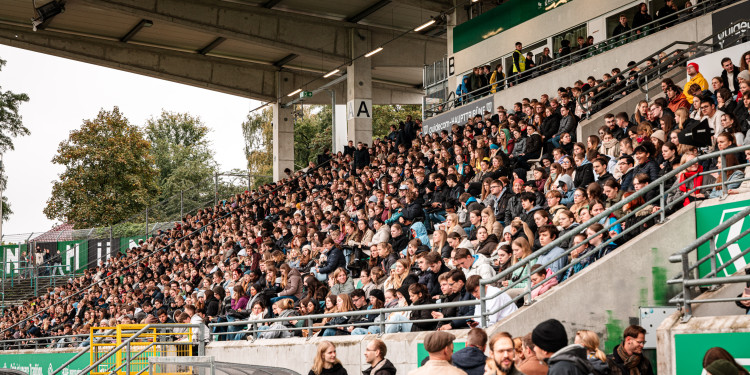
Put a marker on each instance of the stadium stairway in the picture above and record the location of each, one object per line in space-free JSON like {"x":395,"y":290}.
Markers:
{"x":22,"y":290}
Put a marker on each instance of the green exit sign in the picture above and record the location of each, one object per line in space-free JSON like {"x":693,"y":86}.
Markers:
{"x":305,"y":94}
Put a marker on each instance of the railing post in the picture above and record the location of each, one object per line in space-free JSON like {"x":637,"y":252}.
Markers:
{"x":127,"y":367}
{"x":723,"y":172}
{"x":201,"y":343}
{"x":482,"y":305}
{"x":662,"y":203}
{"x":686,"y":295}
{"x":712,"y":244}
{"x":382,"y":323}
{"x":309,"y":328}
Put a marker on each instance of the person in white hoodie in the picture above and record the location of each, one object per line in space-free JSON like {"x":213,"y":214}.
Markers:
{"x":473,"y":264}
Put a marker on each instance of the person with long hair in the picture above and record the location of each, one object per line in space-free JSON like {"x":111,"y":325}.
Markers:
{"x":399,"y":273}
{"x":521,"y":250}
{"x":440,"y":244}
{"x":490,"y":223}
{"x":343,"y":304}
{"x":590,"y":341}
{"x":734,"y":176}
{"x":325,"y":361}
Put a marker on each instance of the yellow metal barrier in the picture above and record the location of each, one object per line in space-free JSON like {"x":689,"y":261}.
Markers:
{"x":111,"y":337}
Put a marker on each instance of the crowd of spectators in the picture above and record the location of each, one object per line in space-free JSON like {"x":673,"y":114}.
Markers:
{"x":486,"y":79}
{"x":412,"y":220}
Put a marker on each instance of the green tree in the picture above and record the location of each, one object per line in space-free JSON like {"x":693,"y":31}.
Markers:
{"x":11,"y":126}
{"x":183,"y":156}
{"x":312,"y":133}
{"x":109,"y":174}
{"x":258,"y":133}
{"x":386,"y":115}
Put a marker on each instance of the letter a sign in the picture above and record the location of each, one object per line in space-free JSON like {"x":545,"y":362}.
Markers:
{"x":359,"y":108}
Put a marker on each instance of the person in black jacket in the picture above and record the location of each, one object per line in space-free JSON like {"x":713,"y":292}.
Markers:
{"x":584,"y":173}
{"x":644,"y":163}
{"x":666,"y":15}
{"x":334,"y":259}
{"x":419,"y":296}
{"x":375,"y":357}
{"x":361,"y":156}
{"x":432,"y":266}
{"x":471,"y":358}
{"x":730,"y":70}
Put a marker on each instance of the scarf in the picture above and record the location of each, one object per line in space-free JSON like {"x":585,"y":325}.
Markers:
{"x":630,"y":362}
{"x":697,"y":181}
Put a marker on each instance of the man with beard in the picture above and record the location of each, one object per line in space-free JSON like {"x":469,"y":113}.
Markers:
{"x":502,"y":355}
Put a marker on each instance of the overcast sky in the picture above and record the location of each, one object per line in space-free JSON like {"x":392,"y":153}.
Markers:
{"x":65,"y":92}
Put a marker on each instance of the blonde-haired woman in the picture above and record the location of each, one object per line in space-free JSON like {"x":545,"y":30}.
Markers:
{"x":488,"y":222}
{"x":452,"y":225}
{"x":325,"y":361}
{"x":590,"y":341}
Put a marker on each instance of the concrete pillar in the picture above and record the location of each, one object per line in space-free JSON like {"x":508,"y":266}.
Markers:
{"x":359,"y":89}
{"x":283,"y":128}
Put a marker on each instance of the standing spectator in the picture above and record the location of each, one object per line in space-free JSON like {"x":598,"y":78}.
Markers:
{"x":551,"y":346}
{"x":325,"y":361}
{"x":666,"y":15}
{"x":375,"y":356}
{"x":622,"y":29}
{"x":471,"y":358}
{"x":362,"y":155}
{"x":627,"y":357}
{"x":729,"y":75}
{"x":439,"y":345}
{"x":590,"y":341}
{"x":642,"y":17}
{"x":542,"y":59}
{"x":502,"y":355}
{"x":519,"y":64}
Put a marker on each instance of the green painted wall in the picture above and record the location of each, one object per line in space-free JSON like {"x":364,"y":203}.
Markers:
{"x":422,"y":353}
{"x":503,"y":17}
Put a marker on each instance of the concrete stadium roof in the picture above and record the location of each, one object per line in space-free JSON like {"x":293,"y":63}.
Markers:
{"x":307,"y":37}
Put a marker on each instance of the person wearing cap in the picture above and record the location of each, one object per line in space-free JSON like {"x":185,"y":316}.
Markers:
{"x":551,"y":346}
{"x":695,"y":78}
{"x":722,"y":367}
{"x":627,"y":357}
{"x":439,"y":345}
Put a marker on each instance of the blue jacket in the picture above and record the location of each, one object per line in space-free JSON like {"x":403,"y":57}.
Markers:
{"x":421,"y":233}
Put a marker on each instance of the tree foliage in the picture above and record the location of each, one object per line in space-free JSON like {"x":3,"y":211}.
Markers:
{"x":386,"y":115}
{"x":184,"y":159}
{"x":109,"y":174}
{"x":312,"y":133}
{"x":11,"y":127}
{"x":257,"y":131}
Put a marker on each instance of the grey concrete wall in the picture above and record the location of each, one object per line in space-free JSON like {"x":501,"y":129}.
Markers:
{"x":297,"y":354}
{"x":665,"y":352}
{"x":627,"y":104}
{"x":692,"y":30}
{"x":606,"y":295}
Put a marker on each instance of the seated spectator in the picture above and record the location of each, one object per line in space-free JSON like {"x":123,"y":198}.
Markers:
{"x":538,"y":285}
{"x":500,"y":303}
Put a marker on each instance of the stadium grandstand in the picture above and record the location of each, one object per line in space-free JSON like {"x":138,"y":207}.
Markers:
{"x":590,"y":201}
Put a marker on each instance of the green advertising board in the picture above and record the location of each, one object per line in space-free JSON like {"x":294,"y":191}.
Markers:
{"x":12,"y":258}
{"x":422,"y":353}
{"x":689,"y":349}
{"x":74,"y":255}
{"x":498,"y":19}
{"x":709,"y":217}
{"x":43,"y":363}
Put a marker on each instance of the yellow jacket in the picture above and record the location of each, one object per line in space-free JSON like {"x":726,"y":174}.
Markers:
{"x":698,"y":79}
{"x":494,"y":78}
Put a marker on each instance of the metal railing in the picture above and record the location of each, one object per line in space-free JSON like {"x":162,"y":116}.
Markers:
{"x":669,"y":198}
{"x":690,"y":282}
{"x":575,"y":56}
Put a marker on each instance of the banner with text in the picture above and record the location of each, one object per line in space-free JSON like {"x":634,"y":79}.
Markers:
{"x":40,"y":363}
{"x":458,"y":115}
{"x":707,"y":218}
